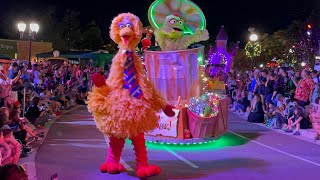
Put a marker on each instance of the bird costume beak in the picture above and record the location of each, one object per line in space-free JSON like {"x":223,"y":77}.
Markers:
{"x":126,"y":34}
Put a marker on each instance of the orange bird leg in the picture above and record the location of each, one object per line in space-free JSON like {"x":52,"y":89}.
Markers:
{"x":112,"y":164}
{"x":143,"y":169}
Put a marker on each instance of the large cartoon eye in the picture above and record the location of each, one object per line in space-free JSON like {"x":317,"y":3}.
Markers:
{"x":172,"y":21}
{"x":128,"y":25}
{"x":181,"y":22}
{"x":121,"y":26}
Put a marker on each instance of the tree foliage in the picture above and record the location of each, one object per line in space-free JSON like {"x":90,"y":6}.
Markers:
{"x":72,"y":29}
{"x":292,"y":45}
{"x":91,"y":37}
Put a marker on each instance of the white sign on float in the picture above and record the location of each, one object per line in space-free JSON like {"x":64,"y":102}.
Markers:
{"x":167,"y":126}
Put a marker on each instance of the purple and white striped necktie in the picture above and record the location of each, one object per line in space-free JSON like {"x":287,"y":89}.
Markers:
{"x":130,"y":80}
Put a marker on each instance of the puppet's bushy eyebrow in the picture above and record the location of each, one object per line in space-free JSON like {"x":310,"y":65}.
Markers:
{"x":124,"y":22}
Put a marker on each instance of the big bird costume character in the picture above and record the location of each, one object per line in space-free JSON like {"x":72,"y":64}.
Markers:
{"x":177,"y":24}
{"x":125,"y":105}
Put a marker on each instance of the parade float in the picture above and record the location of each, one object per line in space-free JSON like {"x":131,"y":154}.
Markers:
{"x":178,"y":69}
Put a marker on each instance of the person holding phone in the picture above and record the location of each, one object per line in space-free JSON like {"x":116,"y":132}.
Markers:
{"x":5,"y":87}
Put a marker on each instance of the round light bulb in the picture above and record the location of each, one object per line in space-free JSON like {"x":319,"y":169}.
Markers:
{"x":22,"y":26}
{"x":253,"y":37}
{"x":34,"y":27}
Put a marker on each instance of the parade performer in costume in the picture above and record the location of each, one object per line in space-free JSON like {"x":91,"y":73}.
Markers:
{"x":177,"y":24}
{"x":146,"y":42}
{"x":125,"y":105}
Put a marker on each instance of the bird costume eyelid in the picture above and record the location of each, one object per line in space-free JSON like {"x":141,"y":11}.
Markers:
{"x":121,"y":25}
{"x":129,"y":25}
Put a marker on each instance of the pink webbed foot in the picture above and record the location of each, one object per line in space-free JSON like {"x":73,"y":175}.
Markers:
{"x":148,"y":171}
{"x":111,"y":168}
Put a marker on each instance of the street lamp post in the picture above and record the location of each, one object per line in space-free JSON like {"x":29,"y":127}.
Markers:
{"x":253,"y":38}
{"x":33,"y":30}
{"x":253,"y":48}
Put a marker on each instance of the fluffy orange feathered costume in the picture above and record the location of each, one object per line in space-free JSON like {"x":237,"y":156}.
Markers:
{"x":122,"y":110}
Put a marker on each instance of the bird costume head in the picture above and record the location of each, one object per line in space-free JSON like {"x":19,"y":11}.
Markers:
{"x":126,"y":30}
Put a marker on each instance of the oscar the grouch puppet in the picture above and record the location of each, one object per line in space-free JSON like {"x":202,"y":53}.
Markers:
{"x":171,"y":36}
{"x":177,"y":24}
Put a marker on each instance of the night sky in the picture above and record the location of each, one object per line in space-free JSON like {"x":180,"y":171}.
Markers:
{"x":266,"y":15}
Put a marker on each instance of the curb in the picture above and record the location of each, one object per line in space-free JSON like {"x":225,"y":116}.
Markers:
{"x":30,"y":161}
{"x":303,"y":136}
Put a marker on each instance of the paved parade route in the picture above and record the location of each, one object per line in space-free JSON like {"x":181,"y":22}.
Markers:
{"x":74,"y":149}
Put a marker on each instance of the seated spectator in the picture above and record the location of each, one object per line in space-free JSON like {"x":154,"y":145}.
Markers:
{"x":281,"y":114}
{"x":18,"y":131}
{"x":34,"y":115}
{"x":256,"y":114}
{"x":25,"y":124}
{"x":297,"y":120}
{"x":5,"y":150}
{"x":79,"y":99}
{"x":268,"y":114}
{"x":14,"y":145}
{"x":243,"y":103}
{"x":4,"y":116}
{"x":315,"y":118}
{"x":82,"y":90}
{"x":13,"y":172}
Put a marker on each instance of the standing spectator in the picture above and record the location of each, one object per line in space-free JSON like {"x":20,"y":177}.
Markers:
{"x":5,"y":87}
{"x":269,"y":87}
{"x":317,"y":65}
{"x":106,"y":69}
{"x":37,"y":79}
{"x":232,"y":84}
{"x":24,"y":74}
{"x":85,"y":80}
{"x":90,"y":64}
{"x":251,"y":86}
{"x":316,"y":81}
{"x":292,"y":87}
{"x":13,"y":72}
{"x":305,"y":88}
{"x":262,"y":85}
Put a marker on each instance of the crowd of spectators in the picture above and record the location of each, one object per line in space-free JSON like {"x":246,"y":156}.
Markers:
{"x":280,"y":97}
{"x":32,"y":95}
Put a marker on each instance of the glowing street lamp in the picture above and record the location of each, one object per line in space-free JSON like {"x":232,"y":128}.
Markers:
{"x":261,"y":65}
{"x":253,"y":48}
{"x":253,"y":37}
{"x":31,"y":35}
{"x":303,"y":64}
{"x":22,"y":27}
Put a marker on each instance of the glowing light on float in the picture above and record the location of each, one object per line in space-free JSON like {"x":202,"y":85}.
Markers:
{"x":154,"y":5}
